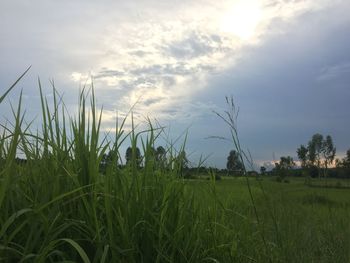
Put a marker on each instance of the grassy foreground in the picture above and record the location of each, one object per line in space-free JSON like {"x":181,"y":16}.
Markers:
{"x":59,"y":207}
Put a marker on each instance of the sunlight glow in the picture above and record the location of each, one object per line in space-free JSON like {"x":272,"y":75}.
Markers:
{"x":242,"y":19}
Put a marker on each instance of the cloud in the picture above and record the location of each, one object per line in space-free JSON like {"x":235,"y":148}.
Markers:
{"x":167,"y":58}
{"x":195,"y":45}
{"x":333,"y":72}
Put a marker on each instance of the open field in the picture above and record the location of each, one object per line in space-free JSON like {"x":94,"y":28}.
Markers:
{"x":299,"y":223}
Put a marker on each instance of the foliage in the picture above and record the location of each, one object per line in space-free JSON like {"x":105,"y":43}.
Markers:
{"x":319,"y":153}
{"x":328,"y":151}
{"x":234,"y":163}
{"x":262,"y":170}
{"x":302,"y":155}
{"x":315,"y":147}
{"x":133,"y":153}
{"x":345,"y":162}
{"x":283,"y":167}
{"x":160,"y":156}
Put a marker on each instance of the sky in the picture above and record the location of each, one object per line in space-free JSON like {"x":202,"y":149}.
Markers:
{"x":285,"y":62}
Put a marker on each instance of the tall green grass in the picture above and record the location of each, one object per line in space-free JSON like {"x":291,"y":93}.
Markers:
{"x":60,"y":207}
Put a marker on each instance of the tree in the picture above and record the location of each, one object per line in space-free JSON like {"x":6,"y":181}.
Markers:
{"x":282,"y":168}
{"x":181,"y":162}
{"x":286,"y":163}
{"x":315,"y":148}
{"x":234,"y":163}
{"x":302,"y":155}
{"x":182,"y":158}
{"x":346,"y":160}
{"x":160,"y":157}
{"x":328,"y":152}
{"x":131,"y":156}
{"x":262,"y":170}
{"x":320,"y":152}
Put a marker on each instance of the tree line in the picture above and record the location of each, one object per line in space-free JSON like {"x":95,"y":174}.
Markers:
{"x":159,"y":157}
{"x":316,"y":158}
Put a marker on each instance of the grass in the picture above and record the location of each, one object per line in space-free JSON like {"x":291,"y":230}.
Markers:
{"x":59,"y":207}
{"x":312,"y":223}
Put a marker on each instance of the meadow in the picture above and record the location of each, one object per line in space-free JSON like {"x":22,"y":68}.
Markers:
{"x":58,"y":206}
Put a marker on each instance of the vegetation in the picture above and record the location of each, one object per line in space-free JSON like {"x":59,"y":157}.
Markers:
{"x":73,"y":200}
{"x":319,"y":153}
{"x":234,"y":163}
{"x":283,"y":167}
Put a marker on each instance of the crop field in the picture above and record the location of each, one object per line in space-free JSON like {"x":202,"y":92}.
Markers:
{"x":59,"y":205}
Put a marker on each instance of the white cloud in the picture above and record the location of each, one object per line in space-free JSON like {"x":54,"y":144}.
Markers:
{"x":160,"y":51}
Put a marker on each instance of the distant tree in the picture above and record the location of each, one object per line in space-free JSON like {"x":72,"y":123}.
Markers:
{"x":287,"y":162}
{"x":108,"y":159}
{"x":338,"y":163}
{"x":103,"y":163}
{"x":343,"y":166}
{"x":319,"y":153}
{"x":234,"y":163}
{"x":129,"y":156}
{"x":328,"y":152}
{"x":315,"y":148}
{"x":104,"y":159}
{"x":149,"y":156}
{"x":182,"y":158}
{"x":160,"y":156}
{"x":346,"y":160}
{"x":262,"y":170}
{"x":283,"y":166}
{"x":302,"y":155}
{"x":181,"y":162}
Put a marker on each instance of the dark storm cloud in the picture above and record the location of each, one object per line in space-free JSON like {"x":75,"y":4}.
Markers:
{"x":291,"y":87}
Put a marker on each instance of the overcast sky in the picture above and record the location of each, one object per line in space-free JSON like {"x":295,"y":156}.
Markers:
{"x":286,"y":63}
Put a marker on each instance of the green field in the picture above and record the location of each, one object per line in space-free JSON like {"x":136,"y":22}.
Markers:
{"x":299,"y":223}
